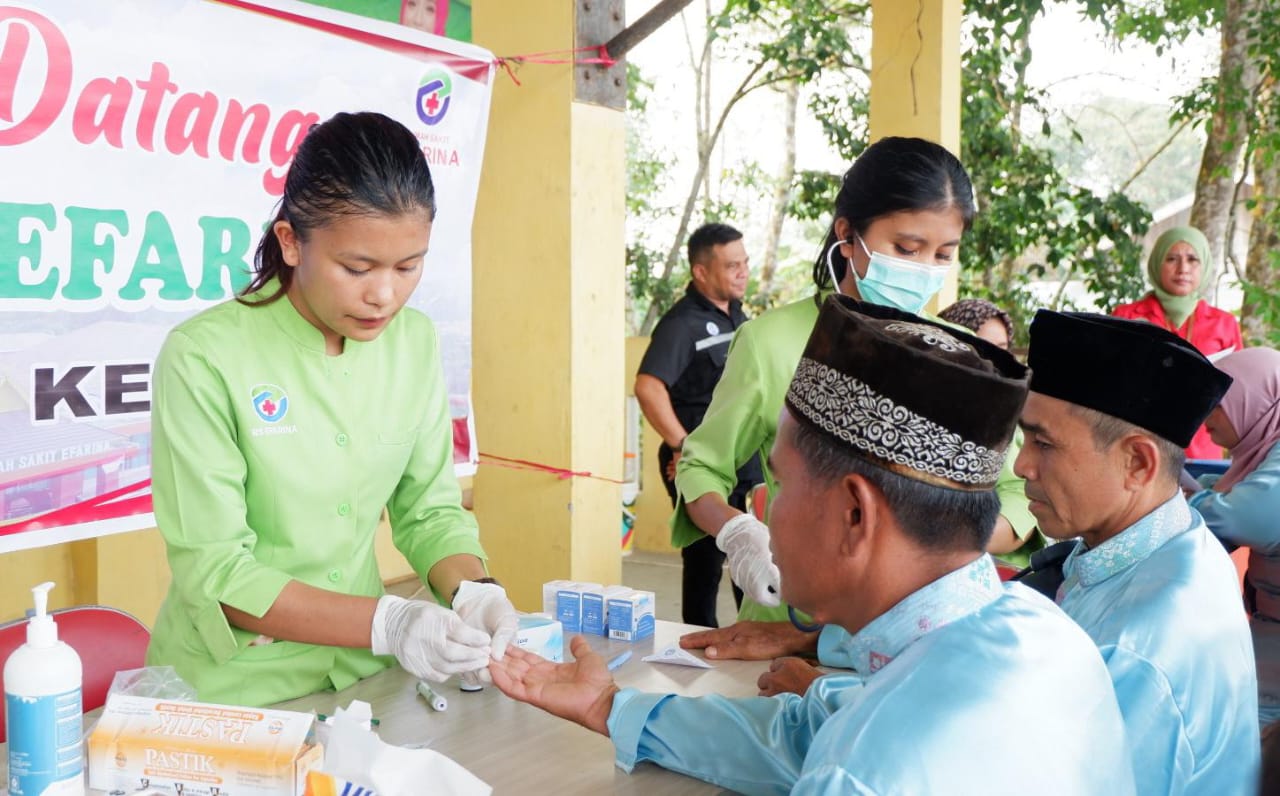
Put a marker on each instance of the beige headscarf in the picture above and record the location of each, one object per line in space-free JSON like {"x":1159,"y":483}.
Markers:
{"x":1179,"y":308}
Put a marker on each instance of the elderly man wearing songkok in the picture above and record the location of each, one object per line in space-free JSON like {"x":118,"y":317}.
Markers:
{"x":1113,"y":403}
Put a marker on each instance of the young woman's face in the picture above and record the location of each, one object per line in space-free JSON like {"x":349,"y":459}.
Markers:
{"x":352,"y":275}
{"x":1220,"y":429}
{"x":927,"y":237}
{"x":420,"y":14}
{"x":993,"y":331}
{"x":1180,"y":272}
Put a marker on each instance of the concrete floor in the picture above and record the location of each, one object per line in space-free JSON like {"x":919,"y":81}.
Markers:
{"x":655,"y":572}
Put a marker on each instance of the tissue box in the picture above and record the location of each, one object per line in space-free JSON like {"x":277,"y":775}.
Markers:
{"x":200,"y":749}
{"x":631,"y":615}
{"x":541,"y":635}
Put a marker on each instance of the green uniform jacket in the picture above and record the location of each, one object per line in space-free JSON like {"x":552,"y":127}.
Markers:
{"x":271,"y":462}
{"x":743,"y":419}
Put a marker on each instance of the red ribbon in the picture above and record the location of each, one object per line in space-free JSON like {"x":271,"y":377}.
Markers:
{"x":558,"y":472}
{"x":108,"y":505}
{"x":601,"y":57}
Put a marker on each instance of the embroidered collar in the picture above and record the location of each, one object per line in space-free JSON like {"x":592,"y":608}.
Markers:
{"x":951,"y":597}
{"x":1131,"y":546}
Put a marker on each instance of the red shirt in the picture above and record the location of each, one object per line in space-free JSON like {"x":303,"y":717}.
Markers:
{"x":1209,"y":329}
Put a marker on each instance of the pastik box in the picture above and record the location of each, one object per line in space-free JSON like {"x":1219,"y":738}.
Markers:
{"x":200,"y":749}
{"x":631,"y":615}
{"x":541,"y":635}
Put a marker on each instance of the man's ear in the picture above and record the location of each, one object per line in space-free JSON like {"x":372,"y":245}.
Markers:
{"x":860,"y":513}
{"x":1141,"y":461}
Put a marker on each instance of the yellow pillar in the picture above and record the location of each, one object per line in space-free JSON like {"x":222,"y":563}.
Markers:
{"x":915,"y":79}
{"x":547,"y":316}
{"x":653,"y":505}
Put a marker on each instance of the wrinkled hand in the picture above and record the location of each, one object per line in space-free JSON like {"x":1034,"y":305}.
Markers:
{"x":430,"y":641}
{"x":787,"y":676}
{"x":752,"y":641}
{"x":580,"y":691}
{"x":745,"y":540}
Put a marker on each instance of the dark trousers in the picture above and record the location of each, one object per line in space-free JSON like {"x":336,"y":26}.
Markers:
{"x":703,"y":561}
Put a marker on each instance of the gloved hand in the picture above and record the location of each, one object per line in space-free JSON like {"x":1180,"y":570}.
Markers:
{"x":745,"y":540}
{"x":430,"y":641}
{"x":485,"y":607}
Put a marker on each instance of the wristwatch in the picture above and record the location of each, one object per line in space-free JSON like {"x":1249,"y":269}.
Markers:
{"x":485,"y":579}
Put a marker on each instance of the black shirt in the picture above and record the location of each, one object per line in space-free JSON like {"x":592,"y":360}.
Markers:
{"x":687,"y":353}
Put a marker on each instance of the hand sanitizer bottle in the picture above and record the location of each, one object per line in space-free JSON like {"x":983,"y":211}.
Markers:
{"x":43,"y":716}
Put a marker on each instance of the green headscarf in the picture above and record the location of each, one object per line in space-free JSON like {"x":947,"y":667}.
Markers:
{"x":1179,"y":308}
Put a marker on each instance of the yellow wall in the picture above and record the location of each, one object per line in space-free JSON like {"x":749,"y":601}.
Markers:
{"x":652,"y":507}
{"x":915,"y":80}
{"x":548,"y":312}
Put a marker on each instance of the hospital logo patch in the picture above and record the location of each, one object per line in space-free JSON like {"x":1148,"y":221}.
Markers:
{"x":270,"y":402}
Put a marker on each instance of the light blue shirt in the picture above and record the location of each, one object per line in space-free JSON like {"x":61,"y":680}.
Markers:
{"x":1162,"y":602}
{"x":1249,"y":516}
{"x":941,"y":683}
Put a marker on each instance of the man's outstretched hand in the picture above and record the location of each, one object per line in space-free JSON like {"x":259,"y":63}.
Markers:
{"x":580,"y":691}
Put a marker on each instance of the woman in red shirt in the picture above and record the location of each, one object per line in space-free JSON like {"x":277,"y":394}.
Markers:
{"x":1179,"y":267}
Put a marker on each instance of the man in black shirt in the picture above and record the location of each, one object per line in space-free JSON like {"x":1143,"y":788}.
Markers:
{"x":679,"y":371}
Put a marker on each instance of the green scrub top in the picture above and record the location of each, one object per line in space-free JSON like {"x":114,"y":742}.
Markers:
{"x":271,"y":462}
{"x":743,"y":420}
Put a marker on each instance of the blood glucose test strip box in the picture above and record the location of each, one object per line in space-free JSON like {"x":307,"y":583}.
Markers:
{"x":631,"y":615}
{"x":200,"y":749}
{"x":541,"y":635}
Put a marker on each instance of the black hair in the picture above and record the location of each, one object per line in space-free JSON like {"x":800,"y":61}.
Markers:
{"x":707,"y":237}
{"x":1106,"y":430}
{"x":934,"y":517}
{"x":353,"y":164}
{"x":892,"y":175}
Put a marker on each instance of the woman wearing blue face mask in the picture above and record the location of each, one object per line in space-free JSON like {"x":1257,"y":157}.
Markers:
{"x":902,"y":209}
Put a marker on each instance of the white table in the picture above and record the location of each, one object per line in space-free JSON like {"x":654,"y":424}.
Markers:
{"x":519,"y":749}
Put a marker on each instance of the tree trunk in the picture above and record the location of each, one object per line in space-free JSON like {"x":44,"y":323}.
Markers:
{"x":781,"y":197}
{"x":1227,"y":130}
{"x":1256,"y":316}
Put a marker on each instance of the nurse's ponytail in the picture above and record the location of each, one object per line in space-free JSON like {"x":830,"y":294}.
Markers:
{"x":354,"y":164}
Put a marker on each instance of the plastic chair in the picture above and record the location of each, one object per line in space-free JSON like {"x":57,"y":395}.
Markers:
{"x":108,"y":641}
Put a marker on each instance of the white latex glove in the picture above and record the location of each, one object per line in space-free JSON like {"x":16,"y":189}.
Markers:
{"x":430,"y":641}
{"x":745,"y":540}
{"x":485,"y":607}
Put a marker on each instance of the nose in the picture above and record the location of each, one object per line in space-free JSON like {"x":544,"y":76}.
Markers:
{"x":380,"y":291}
{"x":1021,"y":463}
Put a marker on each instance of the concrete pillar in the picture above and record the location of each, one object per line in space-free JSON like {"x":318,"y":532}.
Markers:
{"x":547,"y":317}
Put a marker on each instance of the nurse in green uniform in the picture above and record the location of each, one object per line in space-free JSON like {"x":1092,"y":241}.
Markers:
{"x":284,"y":422}
{"x":902,"y":209}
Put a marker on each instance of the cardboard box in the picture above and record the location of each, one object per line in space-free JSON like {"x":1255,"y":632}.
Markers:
{"x":200,"y":749}
{"x":631,"y":615}
{"x":541,"y":635}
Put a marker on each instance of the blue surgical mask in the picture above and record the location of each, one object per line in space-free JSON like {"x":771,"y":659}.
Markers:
{"x":893,"y":281}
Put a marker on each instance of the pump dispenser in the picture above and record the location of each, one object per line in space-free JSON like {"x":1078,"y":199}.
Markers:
{"x":43,"y":710}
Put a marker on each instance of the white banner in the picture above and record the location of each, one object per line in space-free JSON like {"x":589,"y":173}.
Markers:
{"x":143,"y":148}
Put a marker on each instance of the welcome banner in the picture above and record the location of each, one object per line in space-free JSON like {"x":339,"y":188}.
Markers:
{"x":143,"y":149}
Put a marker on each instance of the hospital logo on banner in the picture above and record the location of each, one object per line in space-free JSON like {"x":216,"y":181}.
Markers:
{"x":433,"y":96}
